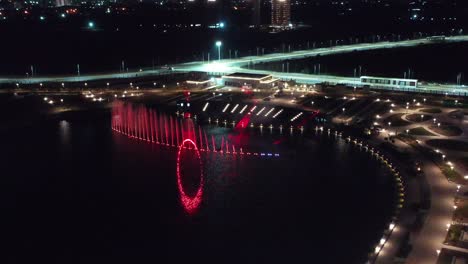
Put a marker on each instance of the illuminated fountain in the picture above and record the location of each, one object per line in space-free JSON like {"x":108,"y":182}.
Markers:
{"x":145,"y":124}
{"x":191,"y":203}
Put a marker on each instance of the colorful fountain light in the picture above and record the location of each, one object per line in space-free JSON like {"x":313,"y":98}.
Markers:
{"x":190,"y":204}
{"x":142,"y":123}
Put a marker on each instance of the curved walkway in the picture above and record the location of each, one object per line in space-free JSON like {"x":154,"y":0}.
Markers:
{"x":434,"y":230}
{"x":432,"y":235}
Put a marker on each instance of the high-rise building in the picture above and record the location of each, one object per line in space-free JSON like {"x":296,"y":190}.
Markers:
{"x":280,"y":12}
{"x":257,"y":5}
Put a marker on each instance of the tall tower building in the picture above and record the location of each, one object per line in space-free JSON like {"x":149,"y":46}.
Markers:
{"x":280,"y":12}
{"x":257,"y":5}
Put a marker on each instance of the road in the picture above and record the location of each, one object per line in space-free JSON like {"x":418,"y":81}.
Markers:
{"x":238,"y":65}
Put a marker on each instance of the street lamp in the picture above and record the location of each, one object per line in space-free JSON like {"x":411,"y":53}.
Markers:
{"x":218,"y":44}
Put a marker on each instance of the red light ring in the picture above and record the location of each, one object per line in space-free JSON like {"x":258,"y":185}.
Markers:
{"x":191,"y":204}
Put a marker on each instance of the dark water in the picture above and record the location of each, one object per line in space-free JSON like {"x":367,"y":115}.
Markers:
{"x":72,"y":191}
{"x":439,"y":62}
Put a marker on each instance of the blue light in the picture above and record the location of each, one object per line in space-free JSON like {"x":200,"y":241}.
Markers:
{"x":221,"y":24}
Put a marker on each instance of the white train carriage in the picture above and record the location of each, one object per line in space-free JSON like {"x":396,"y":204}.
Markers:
{"x":381,"y":82}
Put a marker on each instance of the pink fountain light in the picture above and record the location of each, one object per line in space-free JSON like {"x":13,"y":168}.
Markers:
{"x":142,"y":123}
{"x":190,"y":204}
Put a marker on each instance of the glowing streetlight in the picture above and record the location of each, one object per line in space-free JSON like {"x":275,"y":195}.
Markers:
{"x":377,"y":249}
{"x":382,"y":241}
{"x":91,"y":24}
{"x":219,"y":44}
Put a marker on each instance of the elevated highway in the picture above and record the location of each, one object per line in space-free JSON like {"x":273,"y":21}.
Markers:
{"x":226,"y":66}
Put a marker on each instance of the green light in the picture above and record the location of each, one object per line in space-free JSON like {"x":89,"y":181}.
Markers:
{"x":62,"y":15}
{"x":91,"y":24}
{"x":42,"y":18}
